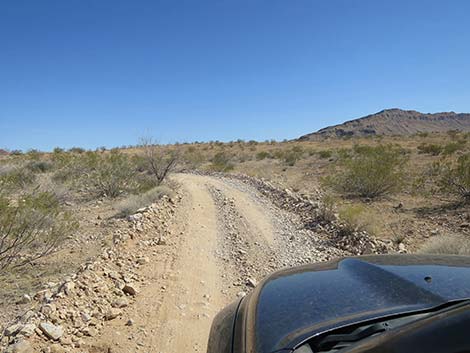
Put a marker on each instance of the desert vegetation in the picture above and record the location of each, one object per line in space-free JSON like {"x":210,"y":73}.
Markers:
{"x":57,"y":209}
{"x":410,"y":191}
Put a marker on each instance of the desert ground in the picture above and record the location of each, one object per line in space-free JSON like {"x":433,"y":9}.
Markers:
{"x":147,"y":265}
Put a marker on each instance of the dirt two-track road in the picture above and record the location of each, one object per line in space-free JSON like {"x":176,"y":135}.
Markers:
{"x":225,"y":236}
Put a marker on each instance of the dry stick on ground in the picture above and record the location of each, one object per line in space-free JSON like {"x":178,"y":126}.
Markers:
{"x":159,"y":162}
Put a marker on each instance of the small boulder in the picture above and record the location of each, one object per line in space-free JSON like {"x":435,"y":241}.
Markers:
{"x":120,"y":303}
{"x":112,"y":313}
{"x":27,"y":330}
{"x":68,"y":287}
{"x":51,"y":331}
{"x":12,"y":330}
{"x":130,"y":289}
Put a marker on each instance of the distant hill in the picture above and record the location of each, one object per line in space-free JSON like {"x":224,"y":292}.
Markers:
{"x":395,"y":122}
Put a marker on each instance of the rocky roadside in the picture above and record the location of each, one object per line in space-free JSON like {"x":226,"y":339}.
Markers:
{"x":311,"y":212}
{"x":62,"y":316}
{"x":248,"y":257}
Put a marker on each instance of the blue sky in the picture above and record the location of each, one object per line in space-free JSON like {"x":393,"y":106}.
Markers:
{"x":96,"y":72}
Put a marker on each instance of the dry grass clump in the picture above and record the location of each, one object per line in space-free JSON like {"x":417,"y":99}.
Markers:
{"x":131,"y":204}
{"x":448,"y":244}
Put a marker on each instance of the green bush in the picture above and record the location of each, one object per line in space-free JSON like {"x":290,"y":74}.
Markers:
{"x":15,"y":177}
{"x":31,"y":228}
{"x":370,"y":172}
{"x":221,"y":162}
{"x":40,"y":166}
{"x":262,"y":155}
{"x":325,"y":154}
{"x":454,"y":177}
{"x":453,"y":147}
{"x":326,"y":210}
{"x":353,"y":218}
{"x":114,"y":175}
{"x":290,"y":157}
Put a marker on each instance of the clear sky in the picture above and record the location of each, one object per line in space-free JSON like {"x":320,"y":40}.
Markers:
{"x":104,"y":72}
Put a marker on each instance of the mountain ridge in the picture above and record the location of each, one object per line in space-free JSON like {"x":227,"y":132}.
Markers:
{"x":395,"y":121}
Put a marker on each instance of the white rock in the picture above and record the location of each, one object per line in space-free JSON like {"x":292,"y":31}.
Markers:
{"x":24,"y":299}
{"x":51,"y":331}
{"x":251,"y":282}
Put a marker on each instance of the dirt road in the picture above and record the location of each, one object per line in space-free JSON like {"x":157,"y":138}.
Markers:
{"x":226,"y":237}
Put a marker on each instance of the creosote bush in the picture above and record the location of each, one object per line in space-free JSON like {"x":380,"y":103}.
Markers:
{"x":291,"y":156}
{"x":369,"y":172}
{"x":453,"y":177}
{"x":114,"y":175}
{"x":325,"y":154}
{"x":221,"y":162}
{"x":31,"y":228}
{"x":13,"y":177}
{"x":262,"y":155}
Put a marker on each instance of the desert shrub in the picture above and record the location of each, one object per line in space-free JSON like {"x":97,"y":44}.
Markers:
{"x":75,"y":168}
{"x":353,"y":218}
{"x":31,"y":228}
{"x":113,"y":175}
{"x":453,"y":133}
{"x":131,"y":204}
{"x":193,"y":159}
{"x":160,"y":163}
{"x":431,"y":148}
{"x":324,"y":154}
{"x":277,"y":154}
{"x":33,"y":154}
{"x":221,"y":162}
{"x":454,"y":177}
{"x":453,"y":147}
{"x":40,"y":166}
{"x":422,"y":134}
{"x":15,"y":177}
{"x":262,"y":155}
{"x":326,"y":211}
{"x":290,"y":157}
{"x":77,"y":150}
{"x":369,"y":172}
{"x":58,"y":190}
{"x":450,"y":245}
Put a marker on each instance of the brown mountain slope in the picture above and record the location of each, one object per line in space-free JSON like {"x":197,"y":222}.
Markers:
{"x":395,"y":122}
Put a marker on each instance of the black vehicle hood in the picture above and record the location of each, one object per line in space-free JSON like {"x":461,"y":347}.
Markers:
{"x":293,"y":305}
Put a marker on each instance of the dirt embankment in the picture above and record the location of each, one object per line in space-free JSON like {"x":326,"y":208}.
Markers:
{"x":186,"y":259}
